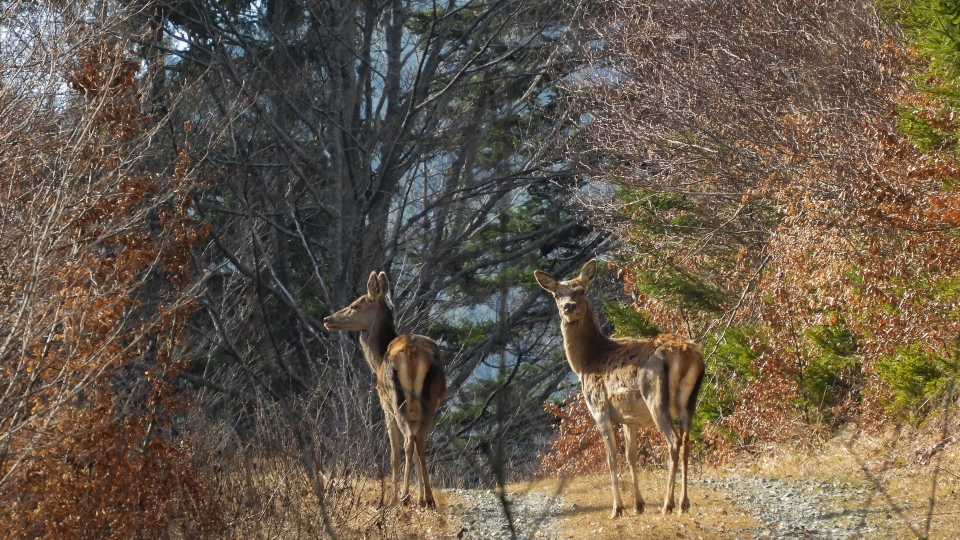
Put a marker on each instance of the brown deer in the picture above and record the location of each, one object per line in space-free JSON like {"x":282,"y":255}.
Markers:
{"x":410,"y":378}
{"x":632,"y":382}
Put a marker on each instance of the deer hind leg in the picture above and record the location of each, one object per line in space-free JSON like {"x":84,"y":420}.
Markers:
{"x":685,"y":449}
{"x":685,"y":425}
{"x":426,"y":493}
{"x":606,"y":432}
{"x":408,"y":449}
{"x":393,"y":430}
{"x":630,"y":435}
{"x":660,"y":411}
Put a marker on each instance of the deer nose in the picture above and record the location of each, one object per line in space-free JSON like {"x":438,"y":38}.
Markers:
{"x":568,"y":307}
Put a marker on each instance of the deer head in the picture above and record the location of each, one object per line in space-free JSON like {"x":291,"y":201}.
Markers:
{"x":571,"y":295}
{"x":363,"y":313}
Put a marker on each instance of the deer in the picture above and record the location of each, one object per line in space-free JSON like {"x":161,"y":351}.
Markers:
{"x":410,"y":379}
{"x":633,"y":382}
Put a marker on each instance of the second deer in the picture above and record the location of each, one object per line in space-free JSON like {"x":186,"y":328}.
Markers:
{"x":631,"y":382}
{"x":410,"y":379}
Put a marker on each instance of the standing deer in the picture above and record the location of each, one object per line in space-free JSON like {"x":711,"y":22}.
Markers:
{"x":627,"y":381}
{"x":410,"y":379}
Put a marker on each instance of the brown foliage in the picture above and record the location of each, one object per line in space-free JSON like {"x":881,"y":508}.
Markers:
{"x":577,"y":447}
{"x":96,"y":291}
{"x":773,"y":128}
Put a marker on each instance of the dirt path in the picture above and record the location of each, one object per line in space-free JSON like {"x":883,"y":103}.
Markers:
{"x":855,"y":486}
{"x":802,"y":508}
{"x":732,"y":507}
{"x":534,"y":515}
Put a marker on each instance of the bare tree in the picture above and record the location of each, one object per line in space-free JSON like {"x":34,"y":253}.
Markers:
{"x":94,"y":289}
{"x":344,"y":137}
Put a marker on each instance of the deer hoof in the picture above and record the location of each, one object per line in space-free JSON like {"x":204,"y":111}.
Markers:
{"x":405,"y":500}
{"x":639,"y":508}
{"x":667,"y":508}
{"x":617,"y":512}
{"x":430,"y":503}
{"x":684,"y":505}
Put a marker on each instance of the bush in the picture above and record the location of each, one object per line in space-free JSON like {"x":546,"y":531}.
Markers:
{"x":917,"y":380}
{"x":828,"y":380}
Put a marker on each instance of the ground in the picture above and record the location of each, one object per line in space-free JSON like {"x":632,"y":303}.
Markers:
{"x":853,"y":487}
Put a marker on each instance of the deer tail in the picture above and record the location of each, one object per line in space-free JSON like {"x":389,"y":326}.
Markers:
{"x":413,"y":386}
{"x":692,"y":400}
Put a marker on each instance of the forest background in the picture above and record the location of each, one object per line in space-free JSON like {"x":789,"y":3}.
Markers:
{"x":191,"y":186}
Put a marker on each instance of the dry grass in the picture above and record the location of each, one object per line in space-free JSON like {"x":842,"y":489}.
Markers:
{"x":897,"y":471}
{"x":274,"y":500}
{"x":885,"y":483}
{"x":588,"y":502}
{"x":406,"y":522}
{"x":894,"y":500}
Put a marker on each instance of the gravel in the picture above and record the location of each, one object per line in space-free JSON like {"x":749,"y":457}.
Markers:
{"x":534,"y":515}
{"x":795,"y":508}
{"x":803,"y":508}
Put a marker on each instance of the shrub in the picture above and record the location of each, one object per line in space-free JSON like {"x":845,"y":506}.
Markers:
{"x":917,"y":380}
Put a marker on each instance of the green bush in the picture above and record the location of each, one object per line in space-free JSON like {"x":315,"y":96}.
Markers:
{"x":729,"y":371}
{"x":830,"y":373}
{"x":917,"y":380}
{"x":627,"y":321}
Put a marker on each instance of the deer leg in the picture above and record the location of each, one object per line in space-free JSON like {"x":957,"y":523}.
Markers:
{"x":394,"y":432}
{"x":425,"y":490}
{"x":421,"y":486}
{"x":685,"y":450}
{"x":630,"y":435}
{"x":418,"y":447}
{"x":408,"y":450}
{"x":606,"y":432}
{"x":685,"y":426}
{"x":660,"y":412}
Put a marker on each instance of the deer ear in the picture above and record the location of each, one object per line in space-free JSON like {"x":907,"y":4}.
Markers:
{"x":373,"y":286}
{"x":546,"y":280}
{"x":588,"y":272}
{"x":384,"y":284}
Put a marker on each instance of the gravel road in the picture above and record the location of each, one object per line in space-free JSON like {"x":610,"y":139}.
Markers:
{"x":801,"y":508}
{"x":794,"y":508}
{"x":534,"y":515}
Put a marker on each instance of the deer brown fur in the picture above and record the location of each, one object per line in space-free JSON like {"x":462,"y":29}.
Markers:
{"x":410,"y":378}
{"x":632,"y":382}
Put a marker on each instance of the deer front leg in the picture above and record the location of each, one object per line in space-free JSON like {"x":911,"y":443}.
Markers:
{"x":630,"y":435}
{"x":606,"y":432}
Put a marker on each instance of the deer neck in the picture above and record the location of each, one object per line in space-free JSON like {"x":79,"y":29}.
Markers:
{"x":374,"y":341}
{"x":584,"y":343}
